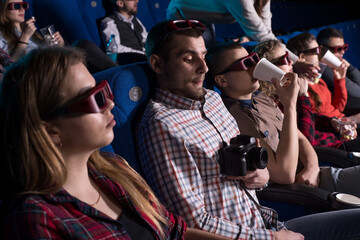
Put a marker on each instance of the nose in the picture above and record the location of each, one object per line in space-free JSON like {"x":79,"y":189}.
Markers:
{"x":110,"y":106}
{"x":202,"y":68}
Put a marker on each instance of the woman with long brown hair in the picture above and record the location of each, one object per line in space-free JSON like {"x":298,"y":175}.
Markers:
{"x":17,"y":36}
{"x":55,"y":120}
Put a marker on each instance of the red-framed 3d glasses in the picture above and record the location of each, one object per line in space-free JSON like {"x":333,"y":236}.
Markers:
{"x":175,"y":26}
{"x":242,"y":64}
{"x":178,"y":25}
{"x":18,"y":5}
{"x":92,"y":101}
{"x":283,"y":60}
{"x":313,"y":51}
{"x":336,"y":49}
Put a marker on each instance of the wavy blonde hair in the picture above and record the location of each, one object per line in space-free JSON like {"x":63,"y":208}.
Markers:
{"x":30,"y":90}
{"x":266,"y":49}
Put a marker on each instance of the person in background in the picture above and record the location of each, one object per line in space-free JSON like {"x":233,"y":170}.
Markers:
{"x":17,"y":36}
{"x":130,"y":33}
{"x":320,"y":130}
{"x":253,"y":16}
{"x":324,"y":102}
{"x":59,"y":185}
{"x":332,"y":39}
{"x":292,"y":159}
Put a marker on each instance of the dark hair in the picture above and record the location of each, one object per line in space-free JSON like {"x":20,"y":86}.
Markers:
{"x":324,"y":35}
{"x":214,"y":61}
{"x":300,"y":42}
{"x":157,"y":44}
{"x":297,"y":45}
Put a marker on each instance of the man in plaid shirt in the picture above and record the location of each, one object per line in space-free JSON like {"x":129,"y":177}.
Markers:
{"x":179,"y":137}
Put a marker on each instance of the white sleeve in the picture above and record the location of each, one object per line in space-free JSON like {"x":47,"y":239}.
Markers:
{"x":253,"y":25}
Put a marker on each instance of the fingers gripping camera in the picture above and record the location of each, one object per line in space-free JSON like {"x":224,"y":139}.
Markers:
{"x":241,"y":156}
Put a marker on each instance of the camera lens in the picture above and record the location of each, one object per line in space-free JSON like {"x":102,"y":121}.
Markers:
{"x":257,"y":157}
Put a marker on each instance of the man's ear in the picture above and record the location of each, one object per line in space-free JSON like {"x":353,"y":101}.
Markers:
{"x":221,"y":81}
{"x":53,"y":132}
{"x":156,"y":63}
{"x":120,"y":3}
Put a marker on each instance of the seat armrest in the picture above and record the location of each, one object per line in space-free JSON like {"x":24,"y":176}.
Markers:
{"x":316,"y":199}
{"x":336,"y":157}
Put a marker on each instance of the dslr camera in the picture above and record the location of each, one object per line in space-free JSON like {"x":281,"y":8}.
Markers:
{"x":242,"y":155}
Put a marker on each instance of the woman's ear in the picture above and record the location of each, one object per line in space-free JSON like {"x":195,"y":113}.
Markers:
{"x":53,"y":132}
{"x":156,"y":63}
{"x":221,"y":81}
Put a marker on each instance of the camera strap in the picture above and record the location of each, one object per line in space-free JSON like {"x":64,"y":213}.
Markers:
{"x":268,"y":225}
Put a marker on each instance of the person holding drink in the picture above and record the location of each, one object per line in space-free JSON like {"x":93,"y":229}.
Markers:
{"x":320,"y":130}
{"x":17,"y":36}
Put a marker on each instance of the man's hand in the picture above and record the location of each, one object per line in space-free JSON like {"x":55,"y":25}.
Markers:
{"x":307,"y":69}
{"x":254,"y":179}
{"x":287,"y":234}
{"x":308,"y":176}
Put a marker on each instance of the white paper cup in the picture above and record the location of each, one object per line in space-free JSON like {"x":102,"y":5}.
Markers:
{"x":331,"y":60}
{"x":322,"y":69}
{"x":265,"y":71}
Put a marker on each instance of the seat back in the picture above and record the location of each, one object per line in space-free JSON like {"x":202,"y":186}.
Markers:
{"x":74,"y":19}
{"x":131,"y":86}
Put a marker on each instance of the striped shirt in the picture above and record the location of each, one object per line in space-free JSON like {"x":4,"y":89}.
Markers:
{"x":179,"y":141}
{"x":62,"y":216}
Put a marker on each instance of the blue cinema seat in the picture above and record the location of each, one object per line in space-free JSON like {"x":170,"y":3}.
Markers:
{"x":131,"y":88}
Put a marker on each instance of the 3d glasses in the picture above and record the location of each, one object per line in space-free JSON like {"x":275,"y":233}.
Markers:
{"x":92,"y":101}
{"x":313,"y":51}
{"x":18,"y":5}
{"x":283,"y":60}
{"x":243,"y":63}
{"x":336,"y":49}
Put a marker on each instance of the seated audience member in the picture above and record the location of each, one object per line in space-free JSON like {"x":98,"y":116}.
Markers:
{"x":307,"y":122}
{"x":58,"y":185}
{"x":327,"y":103}
{"x":18,"y":37}
{"x":130,"y":33}
{"x":332,"y":39}
{"x":257,"y":115}
{"x":179,"y":137}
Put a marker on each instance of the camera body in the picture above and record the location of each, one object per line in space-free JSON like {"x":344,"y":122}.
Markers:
{"x":241,"y":156}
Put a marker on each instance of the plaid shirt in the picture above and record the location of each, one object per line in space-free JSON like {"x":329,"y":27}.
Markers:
{"x":178,"y":142}
{"x":62,"y":216}
{"x":5,"y":60}
{"x":307,"y":122}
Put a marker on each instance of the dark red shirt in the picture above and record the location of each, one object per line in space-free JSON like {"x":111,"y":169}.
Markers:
{"x":62,"y":216}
